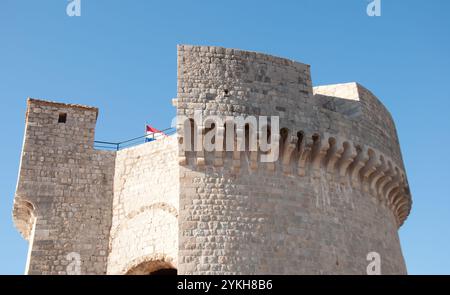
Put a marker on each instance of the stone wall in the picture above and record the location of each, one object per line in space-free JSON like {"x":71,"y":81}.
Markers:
{"x":117,"y":210}
{"x":64,"y":189}
{"x":264,"y":222}
{"x":337,"y":192}
{"x":145,"y":208}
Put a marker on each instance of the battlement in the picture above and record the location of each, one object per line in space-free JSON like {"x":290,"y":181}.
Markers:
{"x":338,"y":159}
{"x":338,"y":156}
{"x":41,"y":102}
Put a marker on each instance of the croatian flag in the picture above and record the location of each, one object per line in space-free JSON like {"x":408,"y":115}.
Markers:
{"x":152,"y":133}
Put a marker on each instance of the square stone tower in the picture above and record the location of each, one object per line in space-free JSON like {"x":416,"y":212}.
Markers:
{"x":64,"y":192}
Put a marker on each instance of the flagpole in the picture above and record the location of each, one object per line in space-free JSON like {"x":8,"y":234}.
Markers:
{"x":145,"y":131}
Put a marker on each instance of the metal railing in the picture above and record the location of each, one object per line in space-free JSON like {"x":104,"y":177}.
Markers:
{"x":116,"y":146}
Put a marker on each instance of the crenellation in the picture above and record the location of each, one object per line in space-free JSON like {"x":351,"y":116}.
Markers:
{"x":346,"y":132}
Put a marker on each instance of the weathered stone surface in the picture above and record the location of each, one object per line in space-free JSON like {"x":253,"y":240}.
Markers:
{"x":64,"y":193}
{"x":145,"y":205}
{"x":324,"y":205}
{"x":337,"y":191}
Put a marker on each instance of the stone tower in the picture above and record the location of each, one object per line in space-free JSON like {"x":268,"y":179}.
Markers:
{"x":337,"y":191}
{"x":64,"y":192}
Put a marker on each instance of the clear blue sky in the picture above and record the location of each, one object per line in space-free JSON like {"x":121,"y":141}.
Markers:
{"x":121,"y":57}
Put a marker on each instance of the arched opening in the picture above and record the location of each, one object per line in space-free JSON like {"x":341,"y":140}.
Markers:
{"x":284,"y":133}
{"x":315,"y":138}
{"x":315,"y":145}
{"x":157,"y":267}
{"x":300,"y":136}
{"x":265,"y":139}
{"x":209,"y":135}
{"x":165,"y":271}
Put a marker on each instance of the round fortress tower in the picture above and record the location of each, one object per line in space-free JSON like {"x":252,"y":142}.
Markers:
{"x":337,"y":191}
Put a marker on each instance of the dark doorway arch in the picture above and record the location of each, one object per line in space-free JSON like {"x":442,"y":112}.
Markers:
{"x":165,"y":271}
{"x":153,"y":267}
